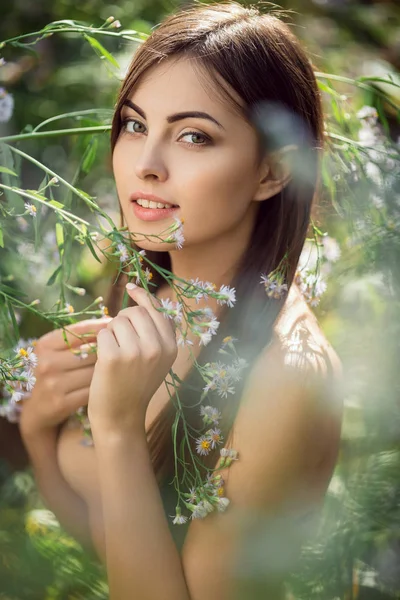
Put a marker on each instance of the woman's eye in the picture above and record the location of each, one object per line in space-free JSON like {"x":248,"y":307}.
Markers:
{"x":129,"y":125}
{"x":206,"y":139}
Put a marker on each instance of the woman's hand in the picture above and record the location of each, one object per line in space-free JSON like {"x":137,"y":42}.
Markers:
{"x":62,"y":378}
{"x":134,"y":354}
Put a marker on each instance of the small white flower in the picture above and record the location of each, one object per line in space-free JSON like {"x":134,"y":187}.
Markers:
{"x":368,"y":113}
{"x":178,"y":237}
{"x":11,"y":411}
{"x":331,"y":249}
{"x":123,"y":252}
{"x":223,"y":504}
{"x":224,"y":388}
{"x":16,"y":397}
{"x":205,"y":337}
{"x":215,"y":437}
{"x":178,"y":223}
{"x":203,"y":445}
{"x":6,"y":105}
{"x":30,"y":380}
{"x":28,"y":356}
{"x":200,"y":512}
{"x":179,"y":520}
{"x":192,"y":497}
{"x":167,"y":304}
{"x":210,"y":415}
{"x":31,"y":208}
{"x":229,"y":295}
{"x":213,"y":325}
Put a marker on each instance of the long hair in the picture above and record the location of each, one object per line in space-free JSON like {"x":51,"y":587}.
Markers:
{"x":258,"y":56}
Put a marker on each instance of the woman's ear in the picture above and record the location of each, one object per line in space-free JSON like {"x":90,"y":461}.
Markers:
{"x":275,"y":172}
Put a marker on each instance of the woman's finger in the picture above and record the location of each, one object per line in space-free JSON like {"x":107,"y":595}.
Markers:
{"x":75,"y":334}
{"x":165,"y":325}
{"x":77,"y":398}
{"x":136,"y":331}
{"x":81,"y":379}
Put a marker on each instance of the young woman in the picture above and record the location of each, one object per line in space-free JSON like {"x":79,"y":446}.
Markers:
{"x":184,"y":134}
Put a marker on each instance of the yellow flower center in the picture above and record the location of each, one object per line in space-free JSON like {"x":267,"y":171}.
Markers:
{"x":22,"y":352}
{"x":205,"y":444}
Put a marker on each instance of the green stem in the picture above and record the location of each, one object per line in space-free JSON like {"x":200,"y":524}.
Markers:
{"x":76,"y":113}
{"x":64,"y":213}
{"x":55,"y":133}
{"x":359,"y":84}
{"x":77,"y":29}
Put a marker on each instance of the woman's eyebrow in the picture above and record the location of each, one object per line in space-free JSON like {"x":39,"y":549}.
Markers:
{"x":177,"y":116}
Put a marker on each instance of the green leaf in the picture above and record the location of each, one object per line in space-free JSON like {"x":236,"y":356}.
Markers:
{"x":53,"y":277}
{"x":59,"y":235}
{"x":37,"y":195}
{"x":1,"y":237}
{"x":8,"y":171}
{"x":13,"y":319}
{"x":90,"y":155}
{"x":101,"y":51}
{"x":56,"y":204}
{"x":90,"y":246}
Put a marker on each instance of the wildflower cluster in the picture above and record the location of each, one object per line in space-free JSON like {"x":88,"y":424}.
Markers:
{"x":206,"y":496}
{"x":315,"y":265}
{"x":18,"y":379}
{"x":274,"y":285}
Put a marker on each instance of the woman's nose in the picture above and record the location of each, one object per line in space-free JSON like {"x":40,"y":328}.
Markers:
{"x":150,"y":163}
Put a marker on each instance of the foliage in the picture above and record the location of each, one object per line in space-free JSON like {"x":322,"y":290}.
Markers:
{"x":48,"y":164}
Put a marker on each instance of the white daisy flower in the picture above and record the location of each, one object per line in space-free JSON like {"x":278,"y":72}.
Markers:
{"x":30,"y":380}
{"x":6,"y":105}
{"x":199,"y":512}
{"x":179,"y":520}
{"x":210,"y":415}
{"x":192,"y":496}
{"x":205,"y":337}
{"x":16,"y":397}
{"x":228,"y":295}
{"x":203,"y":445}
{"x":224,"y":388}
{"x":28,"y":356}
{"x":31,"y":208}
{"x":123,"y":252}
{"x":179,"y":238}
{"x":215,"y":437}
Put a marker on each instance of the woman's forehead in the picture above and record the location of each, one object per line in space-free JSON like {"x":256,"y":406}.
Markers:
{"x":183,"y":84}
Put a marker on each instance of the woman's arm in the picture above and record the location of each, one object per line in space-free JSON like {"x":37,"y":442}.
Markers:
{"x":142,"y":559}
{"x":69,"y":508}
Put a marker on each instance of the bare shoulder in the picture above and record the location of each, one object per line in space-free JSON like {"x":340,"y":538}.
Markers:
{"x":297,"y":382}
{"x":301,"y":352}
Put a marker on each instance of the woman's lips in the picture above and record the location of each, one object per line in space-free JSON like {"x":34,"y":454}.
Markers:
{"x":152,"y":214}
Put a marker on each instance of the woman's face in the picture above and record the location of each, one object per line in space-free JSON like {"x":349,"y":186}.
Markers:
{"x":209,"y":170}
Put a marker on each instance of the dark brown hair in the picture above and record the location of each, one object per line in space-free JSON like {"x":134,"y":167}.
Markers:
{"x":258,"y":56}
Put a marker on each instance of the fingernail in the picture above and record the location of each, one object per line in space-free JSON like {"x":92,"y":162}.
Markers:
{"x":130,"y":286}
